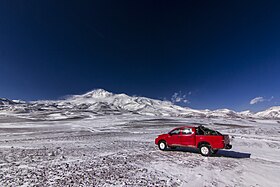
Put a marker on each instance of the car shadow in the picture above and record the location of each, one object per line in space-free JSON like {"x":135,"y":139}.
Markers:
{"x":220,"y":153}
{"x":232,"y":154}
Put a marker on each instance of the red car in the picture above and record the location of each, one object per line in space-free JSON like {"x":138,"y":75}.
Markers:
{"x":206,"y":140}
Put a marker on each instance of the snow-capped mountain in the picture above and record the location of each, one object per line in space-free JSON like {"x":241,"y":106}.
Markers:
{"x":273,"y":112}
{"x":4,"y":101}
{"x":101,"y":99}
{"x":225,"y":113}
{"x":102,"y":102}
{"x":246,"y":114}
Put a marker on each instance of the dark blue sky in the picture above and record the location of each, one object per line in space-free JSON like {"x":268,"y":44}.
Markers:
{"x":224,"y":52}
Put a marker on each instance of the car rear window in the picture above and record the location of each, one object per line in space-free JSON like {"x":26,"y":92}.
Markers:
{"x":187,"y":131}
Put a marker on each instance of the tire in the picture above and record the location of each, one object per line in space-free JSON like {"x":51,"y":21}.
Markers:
{"x":162,"y":145}
{"x":205,"y":150}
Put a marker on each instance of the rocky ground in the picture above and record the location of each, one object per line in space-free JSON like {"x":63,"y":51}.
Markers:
{"x":120,"y":151}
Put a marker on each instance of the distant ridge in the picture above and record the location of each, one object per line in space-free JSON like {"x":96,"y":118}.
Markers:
{"x":102,"y":102}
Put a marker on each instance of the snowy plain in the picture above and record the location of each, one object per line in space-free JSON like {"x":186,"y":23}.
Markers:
{"x":119,"y":150}
{"x":105,"y":139}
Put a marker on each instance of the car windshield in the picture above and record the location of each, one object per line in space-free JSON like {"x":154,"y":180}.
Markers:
{"x":175,"y":131}
{"x":206,"y":131}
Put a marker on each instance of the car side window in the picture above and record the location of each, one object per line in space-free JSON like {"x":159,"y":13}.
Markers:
{"x":175,"y":132}
{"x":199,"y":131}
{"x":187,"y":131}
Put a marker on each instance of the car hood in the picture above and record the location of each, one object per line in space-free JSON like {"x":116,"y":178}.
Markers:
{"x":163,"y":135}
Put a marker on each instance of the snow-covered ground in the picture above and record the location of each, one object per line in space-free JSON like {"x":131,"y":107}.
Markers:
{"x":119,"y":150}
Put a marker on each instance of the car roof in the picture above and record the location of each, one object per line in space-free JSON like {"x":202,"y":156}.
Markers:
{"x":187,"y":127}
{"x":184,"y":127}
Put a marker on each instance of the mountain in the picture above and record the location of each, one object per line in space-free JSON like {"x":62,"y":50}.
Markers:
{"x":225,"y":113}
{"x":4,"y":101}
{"x":246,"y":114}
{"x":102,"y":102}
{"x":273,"y":112}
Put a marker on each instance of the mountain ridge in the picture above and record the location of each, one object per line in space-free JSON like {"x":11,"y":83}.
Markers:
{"x":102,"y":102}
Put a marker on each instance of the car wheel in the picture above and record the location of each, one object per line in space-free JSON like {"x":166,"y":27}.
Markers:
{"x":205,"y":150}
{"x":162,"y":145}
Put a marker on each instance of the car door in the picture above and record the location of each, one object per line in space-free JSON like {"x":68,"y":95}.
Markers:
{"x":187,"y":137}
{"x":174,"y":137}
